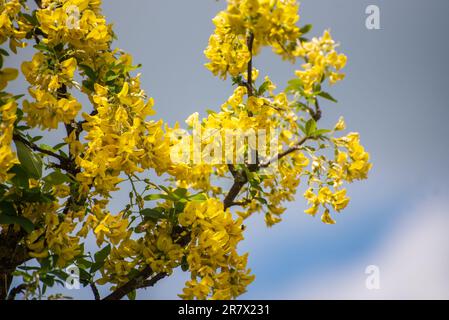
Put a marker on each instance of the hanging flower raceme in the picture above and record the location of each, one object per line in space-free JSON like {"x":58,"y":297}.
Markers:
{"x":218,"y":271}
{"x":270,"y":23}
{"x":7,"y":156}
{"x":265,"y":141}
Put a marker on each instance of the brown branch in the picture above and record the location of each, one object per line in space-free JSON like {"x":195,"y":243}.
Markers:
{"x":141,"y":280}
{"x":131,"y":285}
{"x":250,"y":42}
{"x":5,"y":283}
{"x":63,"y":160}
{"x":240,"y":178}
{"x":239,"y":181}
{"x":285,"y":153}
{"x":240,"y":203}
{"x":95,"y":291}
{"x":151,"y":282}
{"x":317,"y":114}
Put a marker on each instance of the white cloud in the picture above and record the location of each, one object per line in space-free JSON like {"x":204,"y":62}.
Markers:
{"x":413,"y":261}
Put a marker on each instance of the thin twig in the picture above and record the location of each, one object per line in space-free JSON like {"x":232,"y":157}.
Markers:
{"x":34,"y":147}
{"x":285,"y":153}
{"x":95,"y":291}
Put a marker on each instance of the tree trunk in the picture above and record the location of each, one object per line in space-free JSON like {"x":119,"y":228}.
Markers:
{"x":12,"y":255}
{"x":5,"y":284}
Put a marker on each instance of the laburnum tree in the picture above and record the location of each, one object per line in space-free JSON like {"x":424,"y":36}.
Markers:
{"x":55,"y":200}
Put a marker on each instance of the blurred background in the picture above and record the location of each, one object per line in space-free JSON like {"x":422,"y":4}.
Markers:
{"x":395,"y":95}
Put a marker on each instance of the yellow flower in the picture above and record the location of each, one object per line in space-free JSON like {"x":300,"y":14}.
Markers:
{"x":6,"y":75}
{"x":341,"y":125}
{"x":68,"y":67}
{"x":326,"y":218}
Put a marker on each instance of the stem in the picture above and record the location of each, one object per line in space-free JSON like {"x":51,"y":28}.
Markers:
{"x":64,"y":162}
{"x":250,"y":43}
{"x":95,"y":291}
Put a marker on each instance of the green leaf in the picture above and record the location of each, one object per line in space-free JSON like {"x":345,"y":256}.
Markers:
{"x":310,"y":127}
{"x":152,"y":197}
{"x":132,"y":295}
{"x":306,"y":29}
{"x":31,"y":19}
{"x":180,"y":193}
{"x":29,"y":268}
{"x":184,"y":264}
{"x":3,"y":52}
{"x":263,"y":88}
{"x":85,"y":277}
{"x":56,"y":178}
{"x":294,"y":85}
{"x":18,"y":97}
{"x":327,"y":96}
{"x":60,"y":274}
{"x":22,"y":128}
{"x":198,"y":197}
{"x":35,"y":195}
{"x":111,"y":76}
{"x":47,"y":147}
{"x":7,"y":208}
{"x":262,"y":200}
{"x":99,"y":258}
{"x":102,"y":254}
{"x":153,"y":214}
{"x":26,"y":224}
{"x":59,"y":146}
{"x":42,"y":47}
{"x":88,"y":71}
{"x":21,"y":177}
{"x":321,"y":132}
{"x":48,"y":280}
{"x":30,"y":161}
{"x":88,"y":84}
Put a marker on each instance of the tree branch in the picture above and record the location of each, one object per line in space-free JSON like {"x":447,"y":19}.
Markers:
{"x":285,"y":153}
{"x":131,"y":285}
{"x":151,"y":282}
{"x":317,"y":114}
{"x":63,"y":160}
{"x":250,"y":42}
{"x":95,"y":291}
{"x":239,"y":181}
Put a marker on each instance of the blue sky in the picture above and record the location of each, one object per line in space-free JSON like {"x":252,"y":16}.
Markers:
{"x":395,"y":95}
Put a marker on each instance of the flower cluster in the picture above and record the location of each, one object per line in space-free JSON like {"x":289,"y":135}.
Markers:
{"x":269,"y":23}
{"x":77,"y":23}
{"x":7,"y":156}
{"x":55,"y":237}
{"x":13,"y":26}
{"x":58,"y":196}
{"x":218,"y":271}
{"x":322,"y":61}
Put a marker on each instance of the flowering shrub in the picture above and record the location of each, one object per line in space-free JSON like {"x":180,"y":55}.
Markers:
{"x":52,"y":198}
